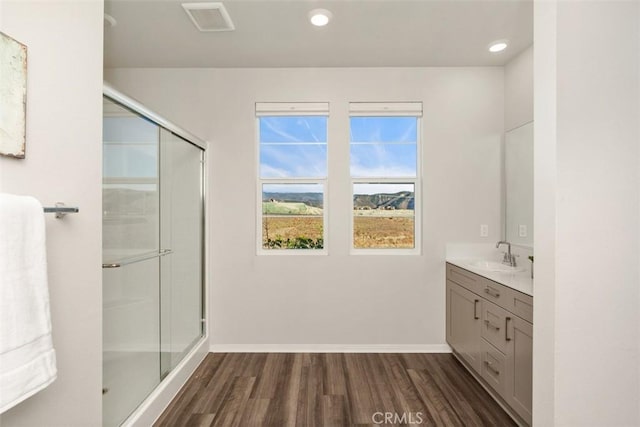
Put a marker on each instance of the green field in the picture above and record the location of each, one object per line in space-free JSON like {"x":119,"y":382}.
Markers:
{"x":383,"y":213}
{"x":289,"y":208}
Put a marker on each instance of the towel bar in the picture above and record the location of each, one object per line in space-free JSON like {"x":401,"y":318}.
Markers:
{"x":61,"y":210}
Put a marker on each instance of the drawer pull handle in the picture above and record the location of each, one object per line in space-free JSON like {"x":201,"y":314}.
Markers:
{"x":475,"y":309}
{"x":491,"y":368}
{"x":492,"y":292}
{"x":506,"y":329}
{"x":491,"y":325}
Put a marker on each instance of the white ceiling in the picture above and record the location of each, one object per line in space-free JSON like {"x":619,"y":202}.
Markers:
{"x":277,"y":33}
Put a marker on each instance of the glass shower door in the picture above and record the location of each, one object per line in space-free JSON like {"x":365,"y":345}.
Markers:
{"x":181,"y":236}
{"x":153,"y":247}
{"x":131,"y":261}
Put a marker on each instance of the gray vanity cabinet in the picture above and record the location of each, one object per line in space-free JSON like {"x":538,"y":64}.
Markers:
{"x":490,"y":331}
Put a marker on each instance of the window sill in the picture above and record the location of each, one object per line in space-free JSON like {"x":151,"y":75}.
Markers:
{"x":388,"y":252}
{"x":295,"y":252}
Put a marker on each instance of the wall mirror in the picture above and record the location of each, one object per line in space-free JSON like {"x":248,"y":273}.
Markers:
{"x":518,"y":174}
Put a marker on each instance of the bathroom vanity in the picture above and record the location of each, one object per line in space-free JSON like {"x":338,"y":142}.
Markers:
{"x":490,"y":329}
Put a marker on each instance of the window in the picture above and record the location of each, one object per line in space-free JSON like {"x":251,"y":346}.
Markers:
{"x":292,"y":139}
{"x":385,"y":170}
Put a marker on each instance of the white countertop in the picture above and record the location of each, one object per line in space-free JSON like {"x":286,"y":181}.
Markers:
{"x":520,"y":281}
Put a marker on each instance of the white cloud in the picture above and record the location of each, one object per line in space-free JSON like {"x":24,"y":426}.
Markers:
{"x":268,"y":171}
{"x":361,"y":171}
{"x":292,"y":188}
{"x":278,"y":131}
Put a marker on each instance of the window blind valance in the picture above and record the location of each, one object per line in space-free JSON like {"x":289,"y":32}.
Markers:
{"x":292,"y":109}
{"x":413,"y":109}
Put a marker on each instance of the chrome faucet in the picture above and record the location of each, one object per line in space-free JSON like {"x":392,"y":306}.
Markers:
{"x":509,"y":258}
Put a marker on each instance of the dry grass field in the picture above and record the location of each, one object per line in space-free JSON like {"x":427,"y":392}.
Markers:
{"x":290,"y":227}
{"x":372,"y":228}
{"x":381,"y":229}
{"x":382,"y":232}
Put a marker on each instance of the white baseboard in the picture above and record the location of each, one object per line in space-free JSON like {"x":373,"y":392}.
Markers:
{"x":330,"y":348}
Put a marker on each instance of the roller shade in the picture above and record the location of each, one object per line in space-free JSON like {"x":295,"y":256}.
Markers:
{"x":292,"y":109}
{"x":385,"y":109}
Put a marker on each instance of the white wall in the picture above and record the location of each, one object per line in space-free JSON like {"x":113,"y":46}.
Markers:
{"x":518,"y":90}
{"x":544,"y":214}
{"x":587,"y":164}
{"x":63,"y":163}
{"x":335,"y":299}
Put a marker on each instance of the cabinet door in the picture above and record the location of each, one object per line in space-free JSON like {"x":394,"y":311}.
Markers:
{"x":464,"y":310}
{"x":519,"y":366}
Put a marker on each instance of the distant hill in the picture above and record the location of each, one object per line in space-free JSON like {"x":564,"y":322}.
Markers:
{"x":128,"y":202}
{"x":400,"y":200}
{"x":311,"y":199}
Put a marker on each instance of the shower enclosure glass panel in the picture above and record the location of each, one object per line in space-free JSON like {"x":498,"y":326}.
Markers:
{"x":131,"y":267}
{"x":181,"y":231}
{"x":130,"y":184}
{"x":153,"y":228}
{"x":131,"y":330}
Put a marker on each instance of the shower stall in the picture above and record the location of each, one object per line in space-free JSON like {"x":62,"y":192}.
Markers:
{"x":153,"y":252}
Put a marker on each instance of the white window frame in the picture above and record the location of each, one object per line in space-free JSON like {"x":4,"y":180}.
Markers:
{"x":272,"y":109}
{"x":391,"y":109}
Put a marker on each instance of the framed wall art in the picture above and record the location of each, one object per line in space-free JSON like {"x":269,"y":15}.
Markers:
{"x":13,"y":97}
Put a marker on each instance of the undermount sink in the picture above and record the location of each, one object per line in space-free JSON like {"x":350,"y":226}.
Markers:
{"x":495,"y":266}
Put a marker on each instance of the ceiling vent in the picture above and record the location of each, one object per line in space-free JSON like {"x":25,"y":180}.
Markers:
{"x":209,"y":16}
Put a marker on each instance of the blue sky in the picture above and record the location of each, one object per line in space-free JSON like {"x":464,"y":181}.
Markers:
{"x":383,"y":147}
{"x":293,"y":147}
{"x":296,"y":147}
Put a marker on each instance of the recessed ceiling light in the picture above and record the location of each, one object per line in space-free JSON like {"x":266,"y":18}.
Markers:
{"x":498,"y":46}
{"x":320,"y":17}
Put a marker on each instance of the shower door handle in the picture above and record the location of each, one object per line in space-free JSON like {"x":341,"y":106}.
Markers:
{"x":160,"y":253}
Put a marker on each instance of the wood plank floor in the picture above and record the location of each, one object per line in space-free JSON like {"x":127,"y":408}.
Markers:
{"x":331,"y":389}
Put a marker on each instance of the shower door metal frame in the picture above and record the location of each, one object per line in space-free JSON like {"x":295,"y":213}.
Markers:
{"x":140,"y":109}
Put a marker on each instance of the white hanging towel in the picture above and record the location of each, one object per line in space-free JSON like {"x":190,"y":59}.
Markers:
{"x":27,"y":357}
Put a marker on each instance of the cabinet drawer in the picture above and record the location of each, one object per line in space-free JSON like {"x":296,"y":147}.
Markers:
{"x":495,"y":292}
{"x":465,"y":278}
{"x":493,"y":369}
{"x":494,"y":325}
{"x":482,"y":286}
